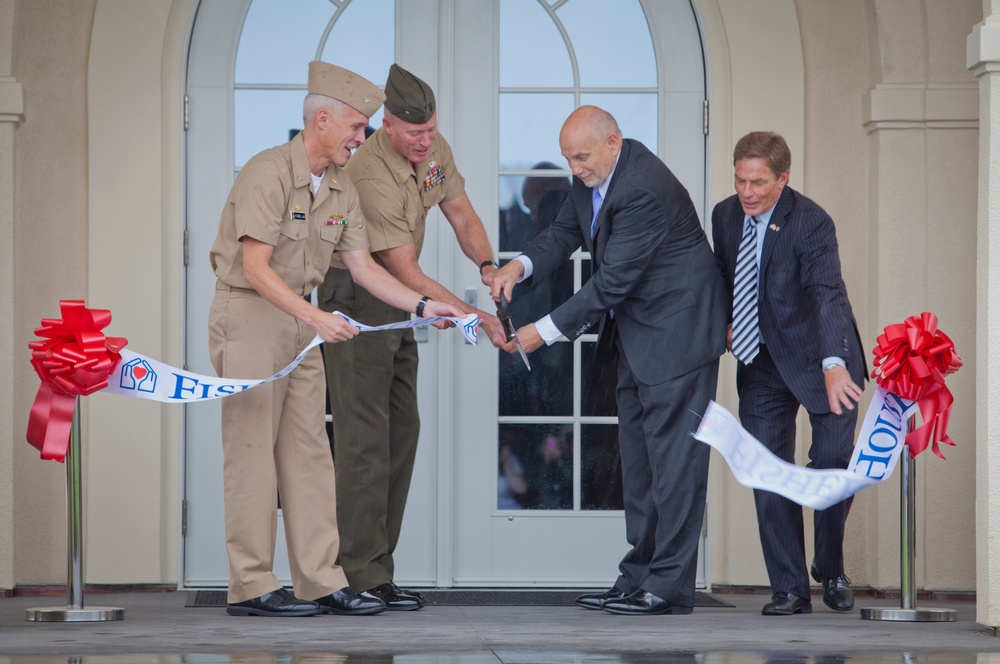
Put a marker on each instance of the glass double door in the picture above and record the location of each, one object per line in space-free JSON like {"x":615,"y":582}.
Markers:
{"x":517,"y":480}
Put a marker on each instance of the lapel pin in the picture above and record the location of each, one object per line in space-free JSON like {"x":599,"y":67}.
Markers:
{"x":775,"y":227}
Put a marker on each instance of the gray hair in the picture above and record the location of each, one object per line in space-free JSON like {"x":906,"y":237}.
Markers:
{"x":315,"y":102}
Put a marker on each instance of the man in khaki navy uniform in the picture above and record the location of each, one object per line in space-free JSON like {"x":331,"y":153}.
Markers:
{"x":290,"y":208}
{"x":404,"y":170}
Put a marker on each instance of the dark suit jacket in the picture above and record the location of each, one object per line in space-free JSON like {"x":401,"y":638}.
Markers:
{"x":803,"y":309}
{"x":652,"y":265}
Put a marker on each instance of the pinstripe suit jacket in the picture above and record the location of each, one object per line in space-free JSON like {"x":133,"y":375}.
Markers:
{"x":652,"y":265}
{"x":803,"y":309}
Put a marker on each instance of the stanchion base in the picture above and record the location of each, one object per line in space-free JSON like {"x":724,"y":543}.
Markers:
{"x":910,"y":615}
{"x":70,"y":614}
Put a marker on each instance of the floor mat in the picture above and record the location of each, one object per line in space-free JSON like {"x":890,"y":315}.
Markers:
{"x":471,"y":597}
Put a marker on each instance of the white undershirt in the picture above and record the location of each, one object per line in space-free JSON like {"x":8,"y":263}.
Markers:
{"x":317,"y":180}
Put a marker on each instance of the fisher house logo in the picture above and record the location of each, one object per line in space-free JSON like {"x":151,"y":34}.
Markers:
{"x":138,"y":375}
{"x":471,"y":327}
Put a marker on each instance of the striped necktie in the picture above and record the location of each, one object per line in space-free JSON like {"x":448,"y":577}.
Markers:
{"x":746,"y":330}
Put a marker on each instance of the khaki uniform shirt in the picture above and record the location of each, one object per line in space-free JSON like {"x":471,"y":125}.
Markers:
{"x":272,"y":201}
{"x":396,"y":196}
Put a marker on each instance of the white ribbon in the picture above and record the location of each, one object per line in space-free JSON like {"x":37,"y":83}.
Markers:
{"x":878,"y":447}
{"x":145,"y":378}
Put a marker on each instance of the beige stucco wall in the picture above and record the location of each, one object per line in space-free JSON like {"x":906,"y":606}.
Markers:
{"x":90,"y":206}
{"x":922,"y":119}
{"x":98,"y":193}
{"x":49,"y":250}
{"x":11,"y":110}
{"x":983,"y":58}
{"x":135,"y":90}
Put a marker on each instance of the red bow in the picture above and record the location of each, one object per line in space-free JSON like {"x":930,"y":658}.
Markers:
{"x":76,"y":359}
{"x":911,"y":361}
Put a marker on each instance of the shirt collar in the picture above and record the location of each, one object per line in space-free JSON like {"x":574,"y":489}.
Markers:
{"x":765,"y":217}
{"x":300,"y":162}
{"x":603,"y":189}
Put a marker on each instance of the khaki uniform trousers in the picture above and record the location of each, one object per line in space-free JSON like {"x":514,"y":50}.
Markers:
{"x":373,"y":398}
{"x":274,"y":441}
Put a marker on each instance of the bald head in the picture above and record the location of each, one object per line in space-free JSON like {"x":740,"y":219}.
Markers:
{"x":591,"y":121}
{"x":590,"y":141}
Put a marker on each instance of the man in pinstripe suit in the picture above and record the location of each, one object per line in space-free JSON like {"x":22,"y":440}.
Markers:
{"x":797,"y":343}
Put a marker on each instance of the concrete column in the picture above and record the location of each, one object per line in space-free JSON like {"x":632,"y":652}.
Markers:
{"x":11,"y":110}
{"x":983,"y":57}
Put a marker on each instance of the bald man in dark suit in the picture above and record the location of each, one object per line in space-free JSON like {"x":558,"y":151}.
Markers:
{"x":794,"y":335}
{"x":659,"y":299}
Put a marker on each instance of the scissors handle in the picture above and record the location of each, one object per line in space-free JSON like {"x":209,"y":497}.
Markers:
{"x":503,"y":312}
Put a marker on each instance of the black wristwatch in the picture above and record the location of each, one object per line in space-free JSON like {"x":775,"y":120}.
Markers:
{"x":485,"y":263}
{"x":420,"y":305}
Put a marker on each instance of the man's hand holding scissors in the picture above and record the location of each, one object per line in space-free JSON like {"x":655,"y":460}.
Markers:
{"x":503,"y":313}
{"x":503,"y":281}
{"x":529,"y":337}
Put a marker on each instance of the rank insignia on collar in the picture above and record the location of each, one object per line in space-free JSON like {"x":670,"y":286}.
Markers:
{"x":336,"y":219}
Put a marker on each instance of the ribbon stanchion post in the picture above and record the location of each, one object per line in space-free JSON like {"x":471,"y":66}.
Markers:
{"x":911,"y":361}
{"x":74,"y":359}
{"x":908,"y":611}
{"x":75,"y":611}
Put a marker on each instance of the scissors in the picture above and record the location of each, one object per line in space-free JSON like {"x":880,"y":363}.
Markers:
{"x":503,"y":313}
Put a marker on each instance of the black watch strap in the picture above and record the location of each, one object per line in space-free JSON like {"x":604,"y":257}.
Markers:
{"x":485,"y":263}
{"x":420,"y":305}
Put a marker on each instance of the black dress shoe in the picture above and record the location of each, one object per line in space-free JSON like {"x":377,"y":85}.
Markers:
{"x":394,"y":597}
{"x":837,"y":593}
{"x":785,"y":604}
{"x":596,"y":600}
{"x":277,"y":604}
{"x":642,"y":603}
{"x":346,"y":602}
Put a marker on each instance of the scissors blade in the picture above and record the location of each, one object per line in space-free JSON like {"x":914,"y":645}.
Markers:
{"x":520,"y":349}
{"x":503,"y":312}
